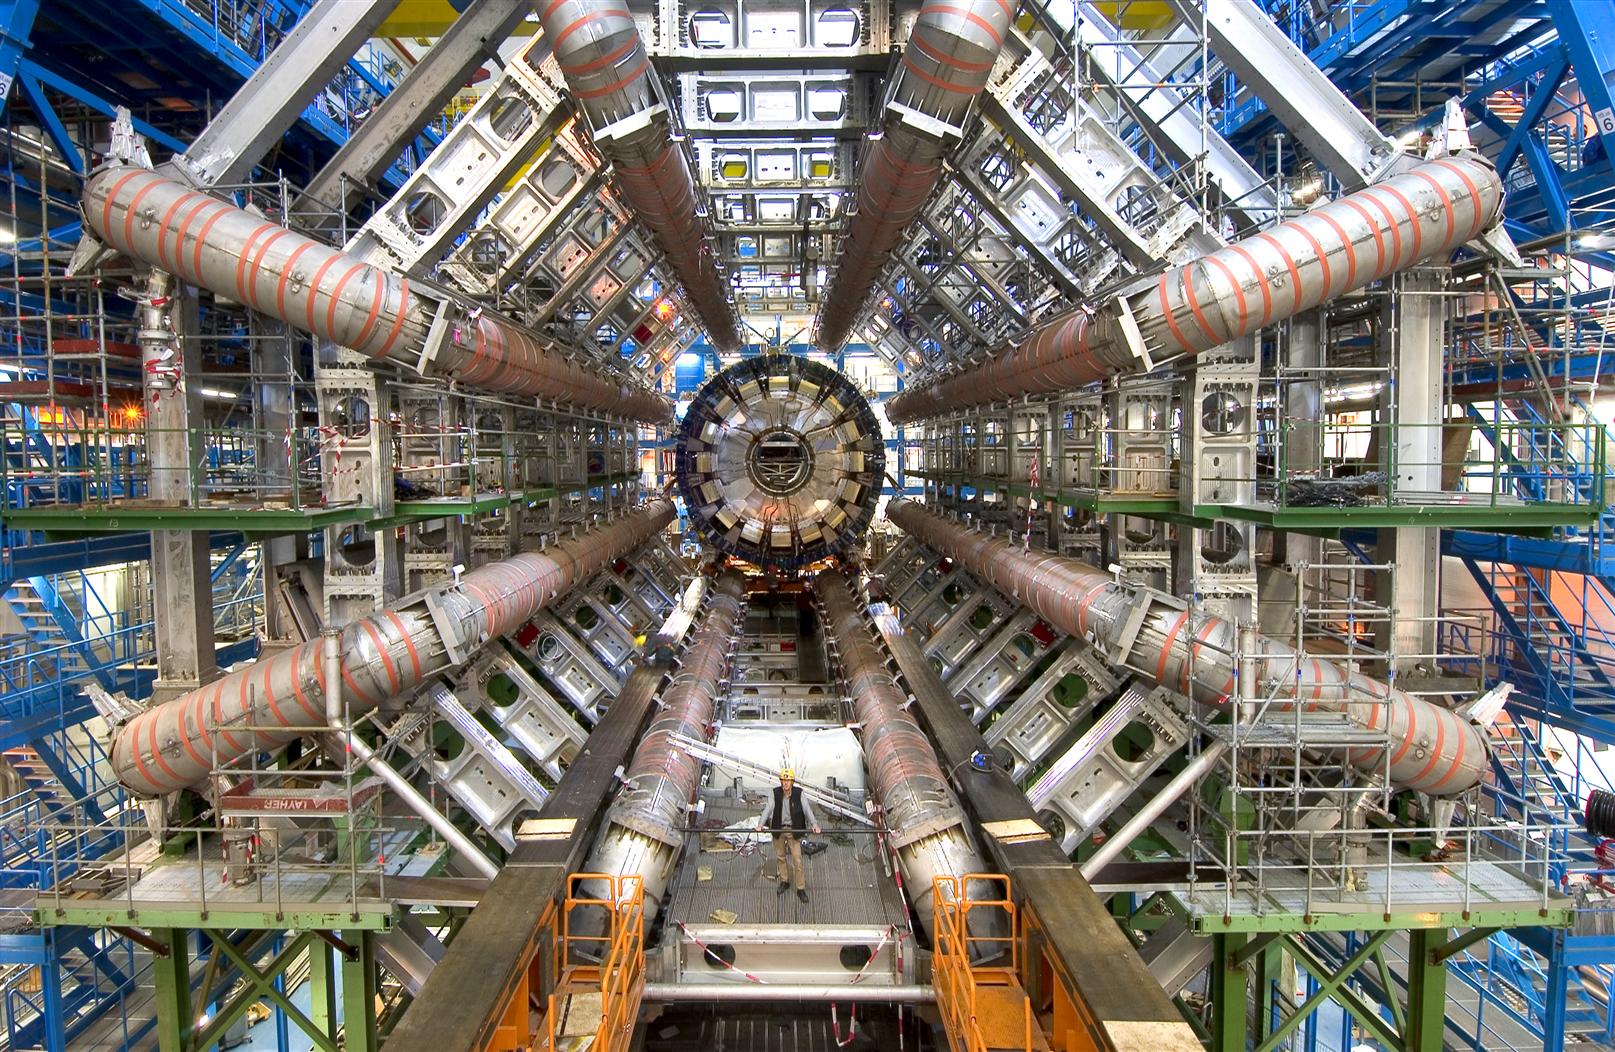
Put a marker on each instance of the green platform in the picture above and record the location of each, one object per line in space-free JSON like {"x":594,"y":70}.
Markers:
{"x":258,"y":522}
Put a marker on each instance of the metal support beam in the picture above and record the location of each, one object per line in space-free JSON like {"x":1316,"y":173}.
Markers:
{"x":1146,"y":91}
{"x":1298,"y":92}
{"x":171,"y":354}
{"x":359,"y":994}
{"x":472,"y":39}
{"x":1230,"y":992}
{"x":1585,"y":31}
{"x":260,"y":985}
{"x":322,"y":988}
{"x":1447,"y":950}
{"x":16,"y":22}
{"x":1301,"y":346}
{"x":171,"y":974}
{"x":1332,"y":982}
{"x":1412,"y":448}
{"x":1427,"y":991}
{"x":269,"y":103}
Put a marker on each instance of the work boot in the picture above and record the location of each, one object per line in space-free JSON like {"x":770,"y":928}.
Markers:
{"x":801,"y":894}
{"x":784,"y":886}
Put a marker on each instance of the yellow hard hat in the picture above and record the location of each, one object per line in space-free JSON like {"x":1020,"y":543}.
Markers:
{"x":786,"y":772}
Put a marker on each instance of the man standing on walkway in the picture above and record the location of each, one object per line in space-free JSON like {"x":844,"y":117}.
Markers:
{"x":788,"y":817}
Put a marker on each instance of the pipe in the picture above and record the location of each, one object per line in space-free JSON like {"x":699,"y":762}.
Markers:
{"x":603,"y":58}
{"x":949,"y":56}
{"x":1153,"y":809}
{"x":463,"y":845}
{"x":1433,"y":750}
{"x":909,"y":993}
{"x":641,"y":834}
{"x":926,"y":823}
{"x":174,"y":745}
{"x":319,"y":289}
{"x":1422,"y":215}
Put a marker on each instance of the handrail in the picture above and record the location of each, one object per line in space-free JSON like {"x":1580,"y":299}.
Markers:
{"x":619,"y":974}
{"x":960,"y":967}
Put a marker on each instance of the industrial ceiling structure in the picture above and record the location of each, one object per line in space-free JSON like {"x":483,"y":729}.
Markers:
{"x":1137,"y":467}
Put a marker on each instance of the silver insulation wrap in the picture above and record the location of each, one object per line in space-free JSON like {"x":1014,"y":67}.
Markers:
{"x":643,"y":831}
{"x":1432,"y":749}
{"x":176,"y":744}
{"x":946,"y":64}
{"x":1422,"y":215}
{"x":322,"y":290}
{"x":926,"y":821}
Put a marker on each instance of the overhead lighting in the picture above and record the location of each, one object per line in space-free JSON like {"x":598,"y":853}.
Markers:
{"x":219,"y":392}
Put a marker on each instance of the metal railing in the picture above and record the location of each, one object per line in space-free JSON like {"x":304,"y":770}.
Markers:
{"x":599,"y":950}
{"x":960,"y":972}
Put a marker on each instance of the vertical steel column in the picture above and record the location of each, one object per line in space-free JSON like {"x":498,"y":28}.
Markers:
{"x":359,"y":993}
{"x":1556,"y":995}
{"x":1269,"y":969}
{"x":322,"y":988}
{"x":1229,"y":995}
{"x":1301,"y":346}
{"x":171,"y":973}
{"x":273,"y":353}
{"x":1412,"y":403}
{"x":1427,"y":992}
{"x":182,"y":588}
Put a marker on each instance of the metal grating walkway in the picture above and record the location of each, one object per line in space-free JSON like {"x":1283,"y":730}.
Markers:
{"x":845,"y":885}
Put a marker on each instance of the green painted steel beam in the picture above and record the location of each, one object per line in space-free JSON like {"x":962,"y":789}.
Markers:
{"x":114,"y":913}
{"x":1427,"y":991}
{"x":359,"y":994}
{"x":322,"y":986}
{"x":1229,"y":991}
{"x":259,"y":984}
{"x":1499,"y":518}
{"x":1323,"y":521}
{"x":1165,"y":508}
{"x":1557,"y":915}
{"x":259,"y":523}
{"x":255,"y":522}
{"x":171,"y":976}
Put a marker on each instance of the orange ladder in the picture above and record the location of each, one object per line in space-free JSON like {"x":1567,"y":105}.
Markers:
{"x":976,"y":967}
{"x":595,"y":968}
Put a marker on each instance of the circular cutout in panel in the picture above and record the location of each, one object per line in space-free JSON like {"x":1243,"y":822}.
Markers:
{"x":780,"y":460}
